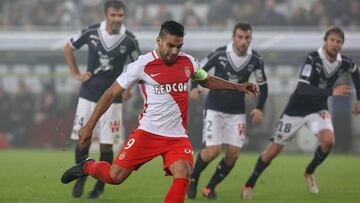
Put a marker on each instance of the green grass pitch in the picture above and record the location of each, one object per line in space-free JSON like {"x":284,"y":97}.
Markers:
{"x":33,"y":176}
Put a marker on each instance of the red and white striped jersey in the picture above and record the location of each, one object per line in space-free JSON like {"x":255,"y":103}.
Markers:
{"x":164,"y":88}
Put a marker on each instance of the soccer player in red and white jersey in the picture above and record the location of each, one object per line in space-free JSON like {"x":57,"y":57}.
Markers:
{"x":163,"y":76}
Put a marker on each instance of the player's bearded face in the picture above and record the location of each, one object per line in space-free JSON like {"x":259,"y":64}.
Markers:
{"x":333,"y":45}
{"x":241,"y":41}
{"x":114,"y":18}
{"x":169,"y":47}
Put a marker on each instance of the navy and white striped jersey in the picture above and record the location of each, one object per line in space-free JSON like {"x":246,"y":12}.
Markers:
{"x":317,"y":77}
{"x":231,"y":67}
{"x":107,"y":56}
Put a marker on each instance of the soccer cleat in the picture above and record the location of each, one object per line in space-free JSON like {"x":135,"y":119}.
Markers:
{"x":191,"y":192}
{"x":209,"y":193}
{"x":75,"y":172}
{"x":311,"y":183}
{"x":79,"y":187}
{"x":95,"y":194}
{"x":246,"y":192}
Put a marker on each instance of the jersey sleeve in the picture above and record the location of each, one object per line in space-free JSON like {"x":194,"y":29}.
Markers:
{"x":132,"y":73}
{"x":209,"y":62}
{"x":261,"y":80}
{"x":135,"y":52}
{"x":307,"y":70}
{"x":259,"y":72}
{"x":79,"y":39}
{"x":355,"y":76}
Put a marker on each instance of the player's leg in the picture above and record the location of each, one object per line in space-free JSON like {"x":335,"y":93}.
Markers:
{"x":234,"y":133}
{"x":110,"y":126}
{"x":181,"y":170}
{"x":213,"y":141}
{"x":321,"y":125}
{"x":83,"y":111}
{"x":264,"y":160}
{"x":286,"y":128}
{"x":106,"y":154}
{"x":178,"y":162}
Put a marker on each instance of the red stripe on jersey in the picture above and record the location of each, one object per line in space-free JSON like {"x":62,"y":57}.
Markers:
{"x":176,"y":73}
{"x":143,"y":89}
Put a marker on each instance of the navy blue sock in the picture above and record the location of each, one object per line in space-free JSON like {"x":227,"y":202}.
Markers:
{"x":259,"y":168}
{"x":200,"y":165}
{"x":81,"y":155}
{"x":222,"y":170}
{"x":319,"y":157}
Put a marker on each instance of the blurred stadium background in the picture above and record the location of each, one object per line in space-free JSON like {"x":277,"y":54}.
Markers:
{"x":38,"y":95}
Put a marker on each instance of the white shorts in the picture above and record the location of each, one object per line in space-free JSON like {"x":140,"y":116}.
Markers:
{"x":288,"y":126}
{"x":223,"y":128}
{"x":108,"y":129}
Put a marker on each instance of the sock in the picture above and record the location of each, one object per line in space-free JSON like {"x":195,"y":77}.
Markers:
{"x":319,"y":157}
{"x":108,"y":157}
{"x":200,"y":165}
{"x":81,"y":155}
{"x":177,"y":191}
{"x":99,"y":170}
{"x":259,"y":168}
{"x":222,"y":170}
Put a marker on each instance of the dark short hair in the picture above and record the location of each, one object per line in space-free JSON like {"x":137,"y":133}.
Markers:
{"x":242,"y":26}
{"x":334,"y":30}
{"x":113,"y":4}
{"x":173,"y":28}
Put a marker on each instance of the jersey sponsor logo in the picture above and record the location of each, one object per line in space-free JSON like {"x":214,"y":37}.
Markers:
{"x":154,"y":74}
{"x":223,"y":61}
{"x":115,"y":126}
{"x":104,"y":63}
{"x":167,"y":88}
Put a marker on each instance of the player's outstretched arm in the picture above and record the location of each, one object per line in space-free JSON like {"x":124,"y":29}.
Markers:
{"x":114,"y":91}
{"x":216,"y":83}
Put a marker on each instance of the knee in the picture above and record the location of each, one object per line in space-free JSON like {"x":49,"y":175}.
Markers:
{"x":327,"y":139}
{"x":271,"y":152}
{"x":209,"y":155}
{"x":182,"y":171}
{"x":231,"y":157}
{"x":117,"y":176}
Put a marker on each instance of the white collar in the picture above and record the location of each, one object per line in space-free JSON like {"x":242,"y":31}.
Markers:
{"x":121,"y":31}
{"x":323,"y":56}
{"x":230,"y":48}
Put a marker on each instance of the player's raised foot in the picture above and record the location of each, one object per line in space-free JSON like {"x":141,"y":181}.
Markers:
{"x":95,"y":194}
{"x":75,"y":172}
{"x":191,"y":192}
{"x":209,"y":193}
{"x":79,"y":187}
{"x":311,"y":183}
{"x":246,"y":192}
